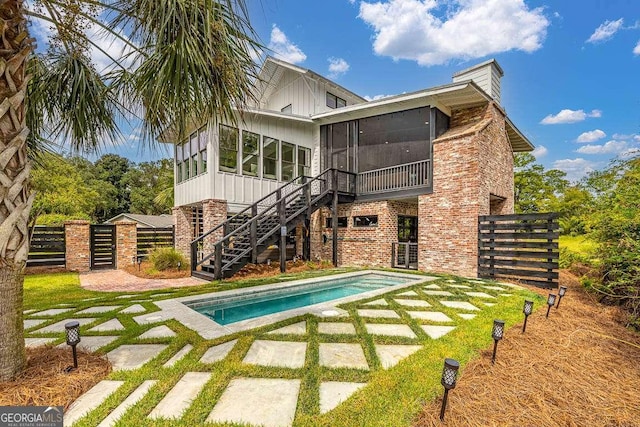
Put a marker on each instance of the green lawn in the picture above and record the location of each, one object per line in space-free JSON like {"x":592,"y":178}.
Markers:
{"x":392,"y":397}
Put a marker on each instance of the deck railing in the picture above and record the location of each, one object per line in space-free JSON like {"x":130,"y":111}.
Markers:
{"x":401,"y":177}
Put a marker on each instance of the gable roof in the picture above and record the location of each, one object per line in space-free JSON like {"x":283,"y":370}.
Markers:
{"x":154,"y":221}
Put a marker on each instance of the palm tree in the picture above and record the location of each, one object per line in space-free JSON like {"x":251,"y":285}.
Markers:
{"x":183,"y":59}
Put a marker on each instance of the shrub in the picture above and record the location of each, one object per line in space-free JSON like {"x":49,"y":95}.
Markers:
{"x":57,"y":220}
{"x":166,"y":259}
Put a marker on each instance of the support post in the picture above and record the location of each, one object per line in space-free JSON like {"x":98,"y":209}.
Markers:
{"x":217,"y":262}
{"x":406,"y":255}
{"x":334,"y":217}
{"x":393,"y":255}
{"x":254,"y":234}
{"x":306,"y":249}
{"x":282,"y":207}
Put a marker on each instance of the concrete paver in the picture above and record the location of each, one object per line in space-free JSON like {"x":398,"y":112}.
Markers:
{"x":132,"y":356}
{"x":99,"y":309}
{"x":31,"y":323}
{"x":58,"y":327}
{"x":412,"y":302}
{"x":90,"y":400}
{"x":466,"y":316}
{"x":92,"y":343}
{"x":161,"y":331}
{"x":340,"y":355}
{"x":460,"y":286}
{"x":131,"y":400}
{"x":408,"y":294}
{"x":136,"y":308}
{"x":394,"y":330}
{"x":434,"y":316}
{"x":462,"y":305}
{"x":388,"y":314}
{"x":390,"y":355}
{"x":285,"y":354}
{"x":178,"y":356}
{"x":258,"y":401}
{"x":218,"y":352}
{"x":436,"y":332}
{"x":333,"y":393}
{"x":433,"y":286}
{"x":377,"y":302}
{"x":335,"y":328}
{"x":480,"y":295}
{"x":439,"y":293}
{"x":109,"y":325}
{"x":181,"y":396}
{"x":37,"y":342}
{"x":299,"y":328}
{"x":50,"y":312}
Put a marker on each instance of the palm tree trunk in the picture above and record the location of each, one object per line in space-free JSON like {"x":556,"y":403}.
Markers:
{"x":16,"y":197}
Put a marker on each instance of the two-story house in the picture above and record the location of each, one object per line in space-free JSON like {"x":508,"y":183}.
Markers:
{"x":400,"y":180}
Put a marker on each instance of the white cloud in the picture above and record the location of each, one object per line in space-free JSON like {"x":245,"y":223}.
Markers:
{"x":569,"y":116}
{"x":636,"y":50}
{"x":283,"y":48}
{"x":376,"y":97}
{"x":540,"y":151}
{"x":611,"y":147}
{"x":337,"y":67}
{"x":622,"y":136}
{"x":575,"y":168}
{"x":106,"y":48}
{"x":605,"y":31}
{"x":591,"y":136}
{"x":419,"y":30}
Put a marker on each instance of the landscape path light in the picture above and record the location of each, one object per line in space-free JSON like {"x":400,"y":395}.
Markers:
{"x":561,"y":292}
{"x":527,"y":310}
{"x":550,"y":302}
{"x":139,"y":262}
{"x":448,"y":381}
{"x":496,"y":333}
{"x":72,"y":330}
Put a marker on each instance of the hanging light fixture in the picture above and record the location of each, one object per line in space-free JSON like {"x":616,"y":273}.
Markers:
{"x":561,"y":292}
{"x":496,"y":333}
{"x":550,"y":302}
{"x":448,"y":381}
{"x":72,"y":330}
{"x":527,"y":310}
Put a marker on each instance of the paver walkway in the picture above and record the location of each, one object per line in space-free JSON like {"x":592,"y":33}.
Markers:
{"x":402,"y":324}
{"x":121,"y":281}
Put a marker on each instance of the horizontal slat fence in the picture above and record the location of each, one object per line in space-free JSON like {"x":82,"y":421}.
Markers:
{"x":521,"y":246}
{"x":151,"y":238}
{"x":47,"y":248}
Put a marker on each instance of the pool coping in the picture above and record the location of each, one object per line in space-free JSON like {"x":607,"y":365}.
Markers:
{"x":207,"y":328}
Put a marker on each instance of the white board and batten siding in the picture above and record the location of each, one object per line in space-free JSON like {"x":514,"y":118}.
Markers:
{"x":240,"y":191}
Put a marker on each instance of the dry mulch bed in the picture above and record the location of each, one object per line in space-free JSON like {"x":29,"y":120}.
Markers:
{"x":580,"y":367}
{"x":44,"y":382}
{"x":258,"y":271}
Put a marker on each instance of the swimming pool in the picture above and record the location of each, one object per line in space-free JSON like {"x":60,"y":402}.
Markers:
{"x":229,"y":310}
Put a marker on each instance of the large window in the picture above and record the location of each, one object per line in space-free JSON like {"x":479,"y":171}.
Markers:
{"x":202,"y":146}
{"x":191,"y":155}
{"x":288,"y":161}
{"x":228,"y":141}
{"x":250,"y":153}
{"x":365,"y":221}
{"x":304,"y":161}
{"x":334,"y":101}
{"x":270,"y":157}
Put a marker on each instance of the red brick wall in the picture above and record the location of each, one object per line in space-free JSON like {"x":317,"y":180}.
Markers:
{"x":214,"y":212}
{"x":183,"y":231}
{"x":77,"y":251}
{"x":126,"y":243}
{"x":360,"y":246}
{"x":466,"y":170}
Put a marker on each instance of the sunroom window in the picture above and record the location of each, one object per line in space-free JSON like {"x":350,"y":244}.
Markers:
{"x":270,"y":157}
{"x":228,"y":141}
{"x":250,"y":153}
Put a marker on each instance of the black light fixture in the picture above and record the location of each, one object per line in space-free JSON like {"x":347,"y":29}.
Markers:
{"x":561,"y":292}
{"x":550,"y":302}
{"x":527,"y":310}
{"x":496,"y":333}
{"x":72,"y":330}
{"x":448,"y":381}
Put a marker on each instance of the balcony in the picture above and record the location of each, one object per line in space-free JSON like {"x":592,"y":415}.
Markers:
{"x":412,"y":177}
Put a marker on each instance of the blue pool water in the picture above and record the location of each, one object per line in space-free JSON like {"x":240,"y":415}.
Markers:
{"x":256,"y":306}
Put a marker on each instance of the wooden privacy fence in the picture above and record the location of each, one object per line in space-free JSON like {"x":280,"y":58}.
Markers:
{"x":521,"y":246}
{"x":47,"y":247}
{"x":151,"y":238}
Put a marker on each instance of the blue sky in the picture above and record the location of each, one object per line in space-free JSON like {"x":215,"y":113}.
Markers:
{"x":570,"y":67}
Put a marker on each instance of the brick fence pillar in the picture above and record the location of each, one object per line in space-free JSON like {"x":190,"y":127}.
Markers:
{"x":77,"y":245}
{"x":214,"y":212}
{"x":126,"y":243}
{"x":183,"y":230}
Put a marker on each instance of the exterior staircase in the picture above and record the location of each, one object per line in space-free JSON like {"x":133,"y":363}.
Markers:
{"x":224,"y":250}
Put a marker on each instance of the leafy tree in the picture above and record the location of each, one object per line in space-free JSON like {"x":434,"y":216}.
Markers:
{"x":112,"y":169}
{"x":145,"y":181}
{"x":536,"y":190}
{"x":185,"y":59}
